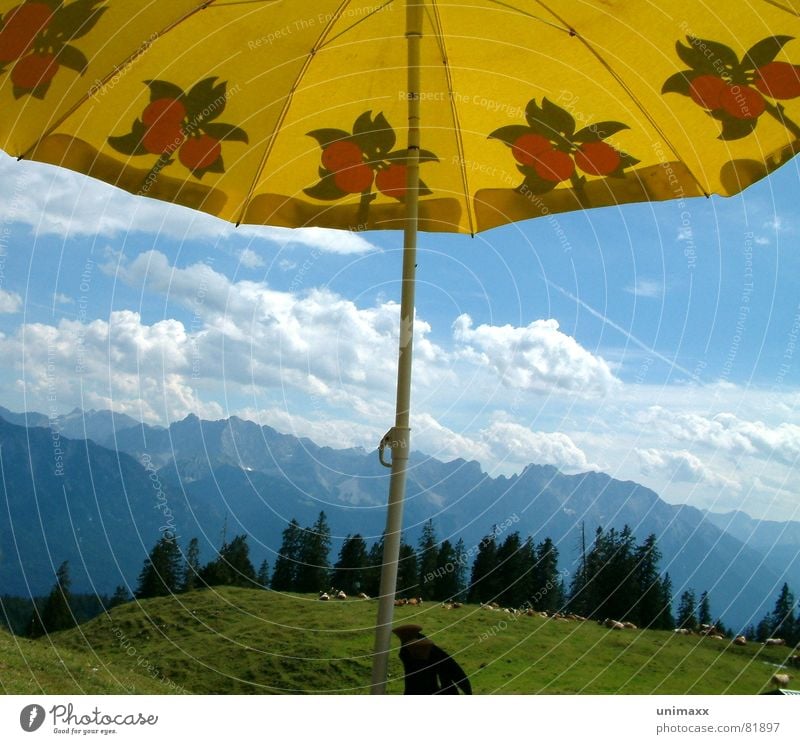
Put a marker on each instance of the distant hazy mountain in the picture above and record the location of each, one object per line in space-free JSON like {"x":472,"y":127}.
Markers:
{"x":98,"y":426}
{"x":221,"y":478}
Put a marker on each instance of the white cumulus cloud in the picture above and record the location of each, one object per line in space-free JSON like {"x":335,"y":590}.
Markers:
{"x":537,"y":357}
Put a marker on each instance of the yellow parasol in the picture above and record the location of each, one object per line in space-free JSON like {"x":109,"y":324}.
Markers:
{"x":415,"y":114}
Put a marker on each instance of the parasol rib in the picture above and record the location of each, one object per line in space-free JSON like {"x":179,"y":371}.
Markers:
{"x":117,"y":69}
{"x":321,"y":39}
{"x":630,"y":94}
{"x":439,"y":33}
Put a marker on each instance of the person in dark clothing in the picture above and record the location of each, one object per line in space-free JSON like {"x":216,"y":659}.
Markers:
{"x":428,"y":669}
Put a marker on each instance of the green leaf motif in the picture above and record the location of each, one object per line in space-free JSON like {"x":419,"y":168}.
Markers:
{"x":205,"y":101}
{"x":325,"y":190}
{"x":162,"y":89}
{"x":327,"y":137}
{"x":130,"y":144}
{"x":680,"y":82}
{"x":509,"y":134}
{"x":599,"y":131}
{"x":733,"y":128}
{"x":716,"y":53}
{"x":73,"y":59}
{"x":74,"y":20}
{"x":765,"y":51}
{"x":226,"y":132}
{"x":549,"y":120}
{"x":218,"y":166}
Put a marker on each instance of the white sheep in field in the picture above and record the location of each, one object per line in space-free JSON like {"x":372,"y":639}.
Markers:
{"x":324,"y":597}
{"x":341,"y":595}
{"x":740,"y":640}
{"x":775,"y":642}
{"x":780,"y":680}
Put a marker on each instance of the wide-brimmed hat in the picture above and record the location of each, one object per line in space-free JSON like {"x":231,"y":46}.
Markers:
{"x":407,"y":633}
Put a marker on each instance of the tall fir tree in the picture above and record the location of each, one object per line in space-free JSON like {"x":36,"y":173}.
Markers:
{"x":262,"y":577}
{"x":461,"y":571}
{"x":313,"y":572}
{"x":372,"y":571}
{"x":121,"y":596}
{"x":349,"y":570}
{"x":445,"y":581}
{"x":191,"y":568}
{"x":704,"y":610}
{"x":162,"y":573}
{"x":427,"y":560}
{"x":665,"y":619}
{"x":648,"y":607}
{"x":782,"y":622}
{"x":514,"y":567}
{"x":547,"y":587}
{"x":56,"y":613}
{"x":687,"y":610}
{"x":232,"y":566}
{"x":284,"y":574}
{"x":484,"y":584}
{"x":407,"y":571}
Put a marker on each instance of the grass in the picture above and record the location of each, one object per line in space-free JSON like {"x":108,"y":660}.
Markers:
{"x":45,"y":667}
{"x":240,"y":641}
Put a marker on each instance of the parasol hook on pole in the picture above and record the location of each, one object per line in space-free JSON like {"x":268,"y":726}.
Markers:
{"x":398,"y":438}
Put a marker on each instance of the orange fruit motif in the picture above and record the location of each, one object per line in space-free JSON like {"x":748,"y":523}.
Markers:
{"x":164,"y":109}
{"x":597,"y":158}
{"x":340,"y":155}
{"x":355,"y":179}
{"x":706,"y":91}
{"x":778,"y":80}
{"x":528,"y":146}
{"x":554,"y":165}
{"x":20,"y":27}
{"x":392,"y":180}
{"x":742,"y":102}
{"x":34,"y":70}
{"x":200,"y":152}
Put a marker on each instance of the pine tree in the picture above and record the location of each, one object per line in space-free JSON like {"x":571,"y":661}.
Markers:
{"x":121,"y":596}
{"x":263,"y":575}
{"x":483,"y":585}
{"x":314,"y":568}
{"x":232,"y":567}
{"x":665,"y":619}
{"x":687,"y":617}
{"x":783,"y":622}
{"x":704,"y":610}
{"x":427,"y":563}
{"x":372,"y":572}
{"x":460,"y":572}
{"x":348,"y":573}
{"x":514,"y":568}
{"x":161,"y":574}
{"x":191,"y":570}
{"x":547,"y":587}
{"x":56,"y":613}
{"x":445,"y":581}
{"x":407,"y":571}
{"x":284,"y":575}
{"x":649,"y":589}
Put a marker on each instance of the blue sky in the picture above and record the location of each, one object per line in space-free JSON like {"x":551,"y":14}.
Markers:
{"x":656,"y":342}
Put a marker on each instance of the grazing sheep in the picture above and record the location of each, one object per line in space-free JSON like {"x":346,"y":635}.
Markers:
{"x":683,"y":631}
{"x":400,"y":602}
{"x":456,"y":605}
{"x":361,"y":595}
{"x":341,"y":595}
{"x":740,"y":640}
{"x":629,"y":625}
{"x":780,"y":680}
{"x":613,"y":624}
{"x":775,"y":642}
{"x":794,"y":660}
{"x":324,"y":597}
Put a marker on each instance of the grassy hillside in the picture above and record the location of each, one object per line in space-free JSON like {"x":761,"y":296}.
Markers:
{"x":40,"y":667}
{"x":241,"y":641}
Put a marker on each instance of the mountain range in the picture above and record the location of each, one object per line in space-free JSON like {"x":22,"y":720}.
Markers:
{"x":114,"y":485}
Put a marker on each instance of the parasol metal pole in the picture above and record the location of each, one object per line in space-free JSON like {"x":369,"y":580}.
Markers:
{"x":398,"y":438}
